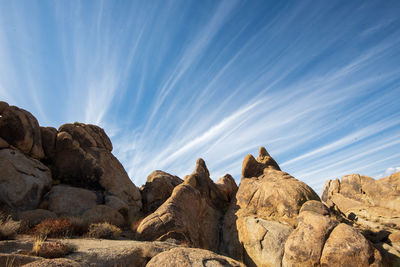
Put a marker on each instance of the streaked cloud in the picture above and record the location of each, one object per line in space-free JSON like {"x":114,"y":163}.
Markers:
{"x":171,"y":81}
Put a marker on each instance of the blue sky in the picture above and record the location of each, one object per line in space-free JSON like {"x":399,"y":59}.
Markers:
{"x":316,"y":82}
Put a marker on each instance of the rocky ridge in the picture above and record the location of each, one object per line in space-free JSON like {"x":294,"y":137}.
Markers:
{"x":270,"y":219}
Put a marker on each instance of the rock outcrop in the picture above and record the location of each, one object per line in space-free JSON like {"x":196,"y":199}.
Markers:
{"x":227,"y":186}
{"x":276,"y":220}
{"x":192,"y":214}
{"x":23,"y":180}
{"x":20,"y":129}
{"x":191,"y":257}
{"x":83,"y":158}
{"x":158,"y":189}
{"x":372,"y":205}
{"x":69,"y":201}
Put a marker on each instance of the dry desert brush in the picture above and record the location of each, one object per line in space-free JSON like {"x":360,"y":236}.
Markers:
{"x":8,"y":227}
{"x":51,"y":249}
{"x":104,"y":230}
{"x":54,"y":228}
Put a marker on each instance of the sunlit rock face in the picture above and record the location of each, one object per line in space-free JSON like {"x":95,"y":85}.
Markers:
{"x":277,"y":220}
{"x":373,"y":206}
{"x":192,"y":214}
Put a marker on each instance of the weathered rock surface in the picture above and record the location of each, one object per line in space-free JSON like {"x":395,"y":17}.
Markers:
{"x":53,"y":263}
{"x":372,"y":205}
{"x":22,"y":180}
{"x":227,"y":186}
{"x":117,"y":204}
{"x":270,"y":201}
{"x":16,"y":260}
{"x":83,"y":158}
{"x":49,"y":138}
{"x":33,"y":217}
{"x":254,"y":168}
{"x":70,"y":201}
{"x":158,"y":189}
{"x":21,"y":129}
{"x":347,"y":247}
{"x":103,"y":213}
{"x":304,"y":245}
{"x":191,"y":214}
{"x":191,"y":257}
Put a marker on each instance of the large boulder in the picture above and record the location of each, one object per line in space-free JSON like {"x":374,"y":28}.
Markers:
{"x":33,"y":217}
{"x":158,"y":189}
{"x":102,"y":213}
{"x":83,"y":158}
{"x":23,"y":180}
{"x":372,"y":205}
{"x":304,"y":245}
{"x":191,"y":257}
{"x":192,"y":213}
{"x":21,"y":129}
{"x":69,"y":201}
{"x":347,"y":247}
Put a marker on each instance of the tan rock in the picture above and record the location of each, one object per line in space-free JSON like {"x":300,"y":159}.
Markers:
{"x":372,"y":205}
{"x":53,"y":263}
{"x":315,"y":206}
{"x":227,"y":186}
{"x":33,"y":217}
{"x":70,"y":201}
{"x":102,"y":213}
{"x":105,"y":253}
{"x":49,"y":138}
{"x":11,"y":260}
{"x":264,"y":240}
{"x":304,"y":245}
{"x":254,"y":168}
{"x":191,"y":214}
{"x":21,"y":129}
{"x":347,"y":247}
{"x":83,"y":158}
{"x":191,"y":257}
{"x":158,"y":189}
{"x":23,"y":180}
{"x":117,"y":204}
{"x":272,"y":196}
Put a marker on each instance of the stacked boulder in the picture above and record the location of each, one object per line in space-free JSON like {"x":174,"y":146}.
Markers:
{"x":373,"y":206}
{"x":192,"y":214}
{"x":66,"y":172}
{"x":277,"y":220}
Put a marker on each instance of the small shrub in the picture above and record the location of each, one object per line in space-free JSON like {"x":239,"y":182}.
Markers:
{"x":53,"y":249}
{"x":104,"y":230}
{"x":53,"y":228}
{"x":8,"y":227}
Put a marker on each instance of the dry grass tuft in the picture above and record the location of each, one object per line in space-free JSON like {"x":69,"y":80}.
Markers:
{"x":104,"y":230}
{"x":52,"y":249}
{"x":53,"y":228}
{"x":8,"y":227}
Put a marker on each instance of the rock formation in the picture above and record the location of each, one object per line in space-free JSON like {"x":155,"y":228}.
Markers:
{"x":373,"y":206}
{"x":271,"y":219}
{"x":158,"y":189}
{"x":192,"y":214}
{"x":276,"y":220}
{"x":76,"y":158}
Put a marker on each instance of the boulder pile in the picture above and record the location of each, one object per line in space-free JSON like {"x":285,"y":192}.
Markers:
{"x":270,"y":219}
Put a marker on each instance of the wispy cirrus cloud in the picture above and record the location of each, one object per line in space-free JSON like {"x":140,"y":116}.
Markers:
{"x":172,"y":81}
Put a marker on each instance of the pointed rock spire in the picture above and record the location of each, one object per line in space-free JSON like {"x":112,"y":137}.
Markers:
{"x":201,"y":168}
{"x":254,"y":168}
